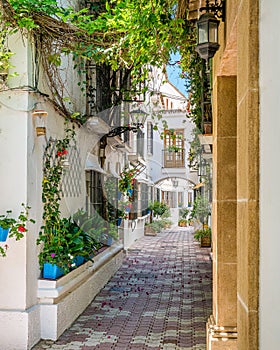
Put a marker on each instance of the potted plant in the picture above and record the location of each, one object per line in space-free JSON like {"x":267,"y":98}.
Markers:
{"x":204,"y":236}
{"x":183,"y":222}
{"x":112,"y":234}
{"x":127,"y":180}
{"x":5,"y":225}
{"x":10,"y":227}
{"x":183,"y":214}
{"x":174,"y":148}
{"x":201,"y":209}
{"x":66,"y":246}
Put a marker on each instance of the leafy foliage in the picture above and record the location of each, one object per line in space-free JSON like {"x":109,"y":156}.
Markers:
{"x":160,"y":209}
{"x":128,"y":34}
{"x":205,"y":232}
{"x":127,"y":180}
{"x":201,"y":208}
{"x":184,"y":212}
{"x":17,"y":227}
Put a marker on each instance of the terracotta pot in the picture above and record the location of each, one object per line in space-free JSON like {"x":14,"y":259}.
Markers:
{"x":205,"y":241}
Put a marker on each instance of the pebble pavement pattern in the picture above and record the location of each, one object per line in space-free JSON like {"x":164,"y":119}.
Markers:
{"x":159,"y":299}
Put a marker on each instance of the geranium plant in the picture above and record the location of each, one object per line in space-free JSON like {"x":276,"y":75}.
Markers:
{"x":63,"y":243}
{"x":127,"y":180}
{"x":17,"y":227}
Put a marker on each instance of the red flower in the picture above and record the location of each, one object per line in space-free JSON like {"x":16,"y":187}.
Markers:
{"x":62,"y":152}
{"x":21,"y":229}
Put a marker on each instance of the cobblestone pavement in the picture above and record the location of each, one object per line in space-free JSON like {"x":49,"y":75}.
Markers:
{"x":159,"y":299}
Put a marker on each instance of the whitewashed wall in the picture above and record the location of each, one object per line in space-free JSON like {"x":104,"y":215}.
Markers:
{"x":21,"y":165}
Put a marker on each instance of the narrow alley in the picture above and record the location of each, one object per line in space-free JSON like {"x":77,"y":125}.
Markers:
{"x":159,"y":299}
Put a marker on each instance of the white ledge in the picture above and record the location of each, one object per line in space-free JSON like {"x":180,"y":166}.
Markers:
{"x":49,"y":290}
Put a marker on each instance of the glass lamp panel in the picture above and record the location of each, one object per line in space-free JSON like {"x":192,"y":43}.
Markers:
{"x":203,"y":33}
{"x":213,"y":32}
{"x":138,"y":117}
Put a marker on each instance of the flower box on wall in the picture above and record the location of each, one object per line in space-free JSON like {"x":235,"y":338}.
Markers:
{"x":52,"y":271}
{"x":55,"y":297}
{"x":79,"y":260}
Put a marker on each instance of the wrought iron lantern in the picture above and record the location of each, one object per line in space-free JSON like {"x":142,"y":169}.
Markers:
{"x":175,"y":183}
{"x":207,"y":29}
{"x":138,"y":118}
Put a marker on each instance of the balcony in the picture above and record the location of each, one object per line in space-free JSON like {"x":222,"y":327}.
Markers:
{"x":173,"y":158}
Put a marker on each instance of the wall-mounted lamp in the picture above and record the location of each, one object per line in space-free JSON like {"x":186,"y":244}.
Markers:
{"x":39,"y":117}
{"x":207,"y":28}
{"x":137,"y":117}
{"x":175,"y":183}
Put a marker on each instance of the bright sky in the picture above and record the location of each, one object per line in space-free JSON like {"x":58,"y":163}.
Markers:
{"x":174,"y":72}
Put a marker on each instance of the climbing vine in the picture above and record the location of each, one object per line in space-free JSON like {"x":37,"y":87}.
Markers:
{"x":123,"y":34}
{"x":52,"y":177}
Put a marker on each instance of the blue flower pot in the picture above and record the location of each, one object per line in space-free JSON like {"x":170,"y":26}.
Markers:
{"x":129,"y":192}
{"x":79,"y":260}
{"x":3,"y":234}
{"x":119,"y":221}
{"x":52,"y":271}
{"x":109,"y":241}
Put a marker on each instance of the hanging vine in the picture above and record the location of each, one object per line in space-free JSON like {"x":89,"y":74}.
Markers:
{"x":123,"y":34}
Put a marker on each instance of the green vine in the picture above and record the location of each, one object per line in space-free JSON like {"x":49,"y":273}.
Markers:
{"x":122,"y":34}
{"x":53,"y":231}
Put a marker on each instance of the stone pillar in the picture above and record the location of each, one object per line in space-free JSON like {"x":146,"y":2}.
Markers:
{"x":221,"y":326}
{"x":248,"y":172}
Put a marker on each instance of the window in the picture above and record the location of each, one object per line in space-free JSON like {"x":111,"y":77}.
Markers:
{"x":111,"y":191}
{"x":140,"y":143}
{"x":101,"y":196}
{"x":169,"y":198}
{"x":95,"y":200}
{"x":150,"y":138}
{"x":174,"y":152}
{"x":144,"y":199}
{"x":157,"y":194}
{"x":180,"y":199}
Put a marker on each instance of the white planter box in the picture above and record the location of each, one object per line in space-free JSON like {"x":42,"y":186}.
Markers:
{"x":63,"y":300}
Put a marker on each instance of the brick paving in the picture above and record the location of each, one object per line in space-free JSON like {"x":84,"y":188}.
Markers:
{"x":159,"y":299}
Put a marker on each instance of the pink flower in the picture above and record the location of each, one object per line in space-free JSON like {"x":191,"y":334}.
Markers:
{"x":52,"y":255}
{"x":21,"y":229}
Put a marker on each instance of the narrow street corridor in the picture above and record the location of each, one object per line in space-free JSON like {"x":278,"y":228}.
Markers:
{"x":159,"y":299}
